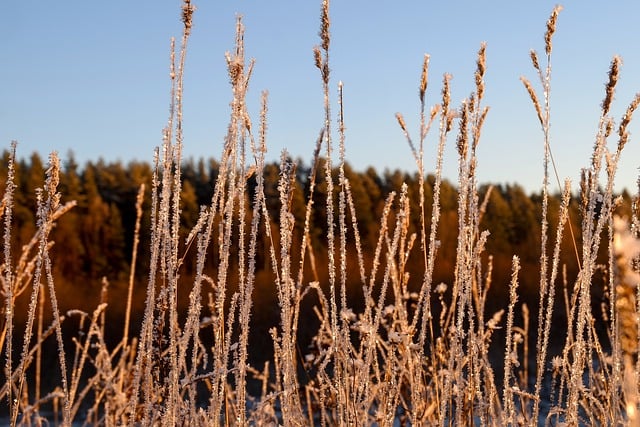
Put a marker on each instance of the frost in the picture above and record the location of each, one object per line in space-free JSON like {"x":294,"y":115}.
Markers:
{"x":395,"y":337}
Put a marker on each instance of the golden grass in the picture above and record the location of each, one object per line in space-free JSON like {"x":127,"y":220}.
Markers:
{"x":391,"y":363}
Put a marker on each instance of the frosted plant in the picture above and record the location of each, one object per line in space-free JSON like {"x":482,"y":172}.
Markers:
{"x":510,"y":356}
{"x":385,"y":364}
{"x":550,"y":296}
{"x":49,"y":209}
{"x":7,"y":279}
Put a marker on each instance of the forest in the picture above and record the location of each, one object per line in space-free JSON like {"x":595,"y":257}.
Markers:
{"x":94,"y":240}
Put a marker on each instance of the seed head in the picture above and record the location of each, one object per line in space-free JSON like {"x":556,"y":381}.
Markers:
{"x":187,"y":15}
{"x":462,"y":142}
{"x":534,"y":59}
{"x":446,"y":101}
{"x":534,"y":98}
{"x":317,"y":56}
{"x":608,"y":127}
{"x":480,"y":70}
{"x":324,"y":26}
{"x":585,"y":178}
{"x":424,"y":77}
{"x":623,"y":133}
{"x":52,"y":180}
{"x":446,"y":94}
{"x":551,"y":28}
{"x":401,"y":122}
{"x":614,"y":72}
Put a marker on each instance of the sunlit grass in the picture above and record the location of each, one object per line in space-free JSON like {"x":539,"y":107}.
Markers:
{"x":422,"y":357}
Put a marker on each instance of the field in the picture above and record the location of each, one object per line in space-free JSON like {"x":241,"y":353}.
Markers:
{"x":389,"y":352}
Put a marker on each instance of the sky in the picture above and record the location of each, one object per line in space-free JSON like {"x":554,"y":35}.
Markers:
{"x":93,"y":78}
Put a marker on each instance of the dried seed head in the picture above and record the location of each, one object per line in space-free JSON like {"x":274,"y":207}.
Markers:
{"x":446,"y":93}
{"x":424,"y":77}
{"x":471,"y":104}
{"x":324,"y":26}
{"x":476,"y":136}
{"x":614,"y":72}
{"x":534,"y":59}
{"x":610,"y":164}
{"x":52,"y":181}
{"x":551,"y":28}
{"x":446,"y":101}
{"x":480,"y":70}
{"x":462,"y":142}
{"x":584,"y":188}
{"x":534,"y":98}
{"x":235,"y":62}
{"x":401,"y":122}
{"x":608,"y":127}
{"x":317,"y":57}
{"x":434,"y":112}
{"x":187,"y":15}
{"x":234,"y":68}
{"x":623,"y":133}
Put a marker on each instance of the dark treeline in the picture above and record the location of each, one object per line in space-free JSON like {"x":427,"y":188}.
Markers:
{"x":94,"y":240}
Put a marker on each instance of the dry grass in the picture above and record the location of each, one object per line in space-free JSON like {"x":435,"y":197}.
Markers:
{"x":394,"y":362}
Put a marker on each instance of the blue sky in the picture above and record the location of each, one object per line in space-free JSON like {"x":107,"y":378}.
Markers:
{"x":92,"y":77}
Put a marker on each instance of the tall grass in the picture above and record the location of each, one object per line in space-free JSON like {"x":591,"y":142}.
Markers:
{"x":409,"y":356}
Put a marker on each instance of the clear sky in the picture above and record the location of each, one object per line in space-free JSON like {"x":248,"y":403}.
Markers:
{"x":92,"y":77}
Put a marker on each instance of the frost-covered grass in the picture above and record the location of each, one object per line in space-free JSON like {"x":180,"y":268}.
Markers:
{"x":406,"y":357}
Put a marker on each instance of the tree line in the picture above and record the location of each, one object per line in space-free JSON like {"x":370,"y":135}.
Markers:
{"x":95,"y":239}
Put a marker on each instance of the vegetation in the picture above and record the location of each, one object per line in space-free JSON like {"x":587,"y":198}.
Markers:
{"x":240,"y":292}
